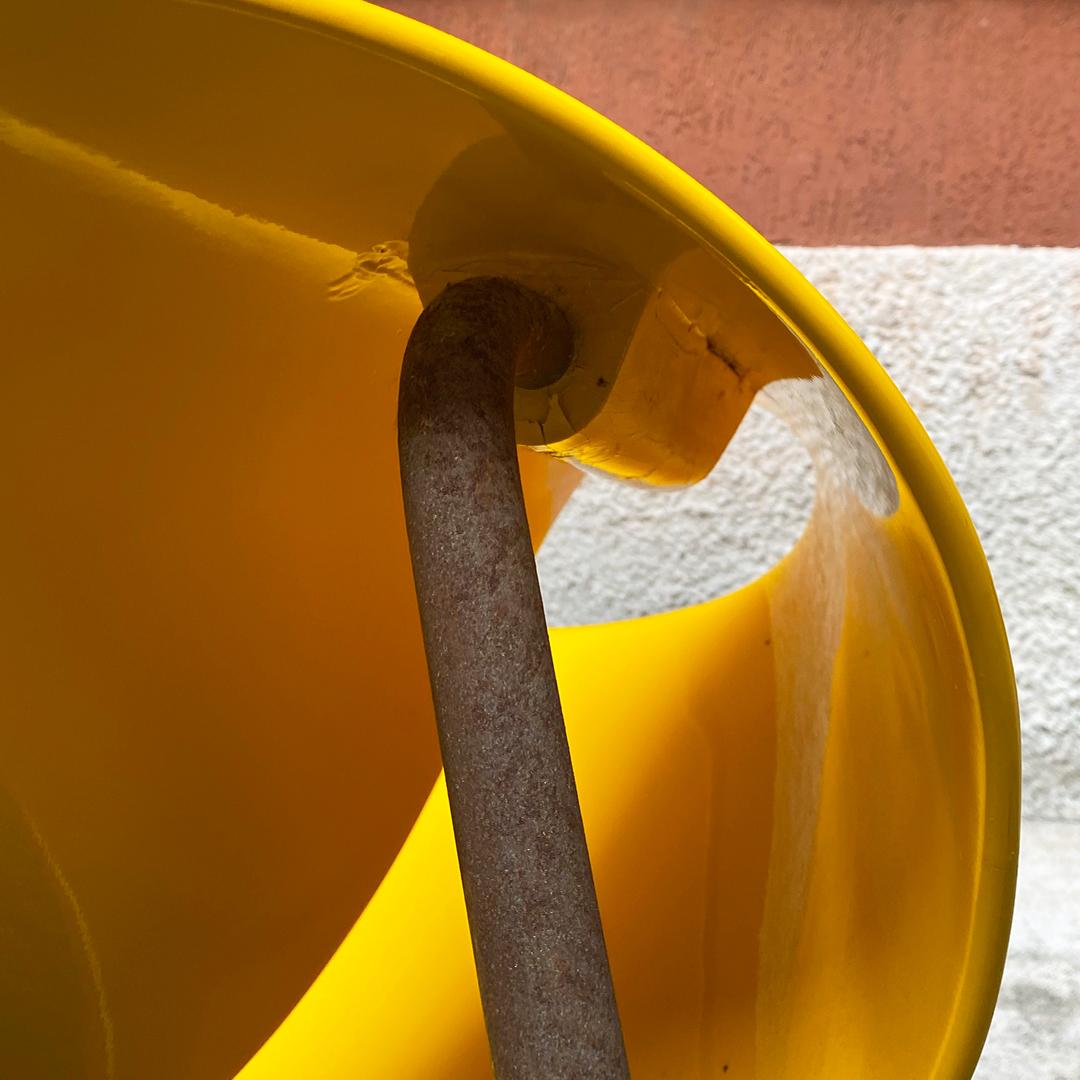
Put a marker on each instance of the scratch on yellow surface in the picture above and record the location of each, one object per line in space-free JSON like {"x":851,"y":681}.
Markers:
{"x":87,"y":942}
{"x":271,"y":241}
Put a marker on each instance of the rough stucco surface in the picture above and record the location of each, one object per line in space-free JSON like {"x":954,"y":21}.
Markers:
{"x":827,"y":121}
{"x":985,"y":344}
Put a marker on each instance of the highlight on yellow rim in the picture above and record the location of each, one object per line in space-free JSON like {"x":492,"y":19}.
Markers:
{"x":226,"y":847}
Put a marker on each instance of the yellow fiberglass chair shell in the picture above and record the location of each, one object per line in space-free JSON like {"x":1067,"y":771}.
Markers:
{"x":226,"y":848}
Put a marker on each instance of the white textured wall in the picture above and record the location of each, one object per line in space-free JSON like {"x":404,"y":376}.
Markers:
{"x":985,"y":344}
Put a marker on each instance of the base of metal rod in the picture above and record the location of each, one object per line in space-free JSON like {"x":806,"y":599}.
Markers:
{"x":540,"y":956}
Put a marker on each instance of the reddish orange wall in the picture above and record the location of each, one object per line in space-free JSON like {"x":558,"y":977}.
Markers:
{"x":828,"y":121}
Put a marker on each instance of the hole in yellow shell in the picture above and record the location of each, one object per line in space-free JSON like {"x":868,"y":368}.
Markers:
{"x":619,"y":551}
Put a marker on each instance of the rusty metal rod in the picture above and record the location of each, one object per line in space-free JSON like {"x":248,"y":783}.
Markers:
{"x":539,"y":947}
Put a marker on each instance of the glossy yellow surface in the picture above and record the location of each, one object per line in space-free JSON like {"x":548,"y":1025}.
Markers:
{"x":226,"y":851}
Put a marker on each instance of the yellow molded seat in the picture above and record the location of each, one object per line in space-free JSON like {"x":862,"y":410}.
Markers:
{"x":226,"y":849}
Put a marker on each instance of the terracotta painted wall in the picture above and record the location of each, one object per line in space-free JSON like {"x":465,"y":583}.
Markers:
{"x":828,"y":121}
